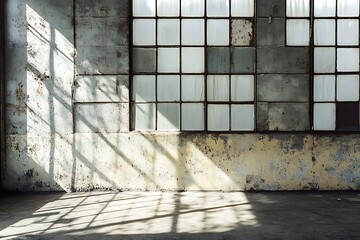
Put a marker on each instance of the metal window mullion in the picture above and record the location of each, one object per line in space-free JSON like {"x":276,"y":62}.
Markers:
{"x":311,"y":63}
{"x":230,"y":19}
{"x":205,"y":70}
{"x":156,"y":64}
{"x":255,"y":64}
{"x":180,"y":66}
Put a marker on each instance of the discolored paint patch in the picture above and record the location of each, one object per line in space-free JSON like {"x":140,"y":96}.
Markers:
{"x":242,"y":32}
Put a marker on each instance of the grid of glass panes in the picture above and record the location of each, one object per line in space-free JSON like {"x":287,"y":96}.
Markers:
{"x":336,"y":65}
{"x":297,"y":22}
{"x":193,"y":65}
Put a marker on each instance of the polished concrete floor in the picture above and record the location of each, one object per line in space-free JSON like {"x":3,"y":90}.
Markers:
{"x":185,"y":215}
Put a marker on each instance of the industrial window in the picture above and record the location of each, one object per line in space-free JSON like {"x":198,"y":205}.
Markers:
{"x":335,"y":44}
{"x":193,"y":65}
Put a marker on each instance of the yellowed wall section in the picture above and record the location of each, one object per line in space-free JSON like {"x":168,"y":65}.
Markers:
{"x":227,"y":162}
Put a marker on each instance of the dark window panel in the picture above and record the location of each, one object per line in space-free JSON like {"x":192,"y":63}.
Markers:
{"x":347,"y":116}
{"x":242,"y":60}
{"x":144,"y":60}
{"x":218,"y":59}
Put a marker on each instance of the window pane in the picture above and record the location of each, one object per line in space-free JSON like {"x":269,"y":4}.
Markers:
{"x":193,"y":60}
{"x":168,"y":116}
{"x":324,"y":8}
{"x":297,"y":8}
{"x":192,"y":8}
{"x":168,"y":60}
{"x":218,"y":117}
{"x":192,"y":88}
{"x":324,"y":60}
{"x":168,"y":8}
{"x":347,"y":116}
{"x":218,"y":32}
{"x":144,"y":32}
{"x":242,"y":88}
{"x":241,"y":32}
{"x":168,"y":32}
{"x":217,"y":8}
{"x":324,"y":32}
{"x":348,"y":59}
{"x":143,"y":88}
{"x":192,"y":116}
{"x":144,"y":8}
{"x":347,"y":88}
{"x":144,"y":60}
{"x":348,"y":32}
{"x":324,"y":116}
{"x":348,"y":8}
{"x":217,"y":88}
{"x":192,"y":32}
{"x":144,"y":117}
{"x":324,"y":88}
{"x":297,"y":32}
{"x":242,"y":8}
{"x":168,"y":88}
{"x":242,"y":118}
{"x":243,"y":60}
{"x":218,"y":59}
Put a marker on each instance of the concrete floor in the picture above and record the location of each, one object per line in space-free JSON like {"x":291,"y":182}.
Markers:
{"x":187,"y":215}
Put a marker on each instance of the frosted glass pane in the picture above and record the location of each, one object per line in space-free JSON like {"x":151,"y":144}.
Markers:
{"x":168,"y":32}
{"x":144,"y":117}
{"x":192,"y":32}
{"x":193,"y":60}
{"x":217,"y":8}
{"x":168,"y":117}
{"x":144,"y":8}
{"x":218,"y":88}
{"x":192,"y":116}
{"x":324,"y":8}
{"x":168,"y":88}
{"x":324,"y":116}
{"x":218,"y":117}
{"x":348,"y":59}
{"x":144,"y":32}
{"x":348,"y":8}
{"x":168,"y":8}
{"x":324,"y":88}
{"x":242,"y":8}
{"x":297,"y":8}
{"x":324,"y":32}
{"x":347,"y":87}
{"x":348,"y":32}
{"x":143,"y":88}
{"x":297,"y":32}
{"x":192,"y":88}
{"x":192,"y":8}
{"x":218,"y":32}
{"x":168,"y":60}
{"x":242,"y":118}
{"x":324,"y":60}
{"x":242,"y":88}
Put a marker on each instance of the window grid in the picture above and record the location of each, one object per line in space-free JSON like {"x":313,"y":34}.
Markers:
{"x":336,"y":82}
{"x":334,"y":41}
{"x":236,"y":107}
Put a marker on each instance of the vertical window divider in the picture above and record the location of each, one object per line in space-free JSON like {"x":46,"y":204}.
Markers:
{"x":311,"y":63}
{"x":156,"y":64}
{"x":255,"y":63}
{"x":180,"y":65}
{"x":205,"y":70}
{"x":230,"y":19}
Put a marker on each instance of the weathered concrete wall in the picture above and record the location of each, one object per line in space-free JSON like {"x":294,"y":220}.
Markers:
{"x":67,"y":108}
{"x":225,"y":162}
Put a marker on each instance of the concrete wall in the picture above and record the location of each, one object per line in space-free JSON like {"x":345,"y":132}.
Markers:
{"x":67,"y":112}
